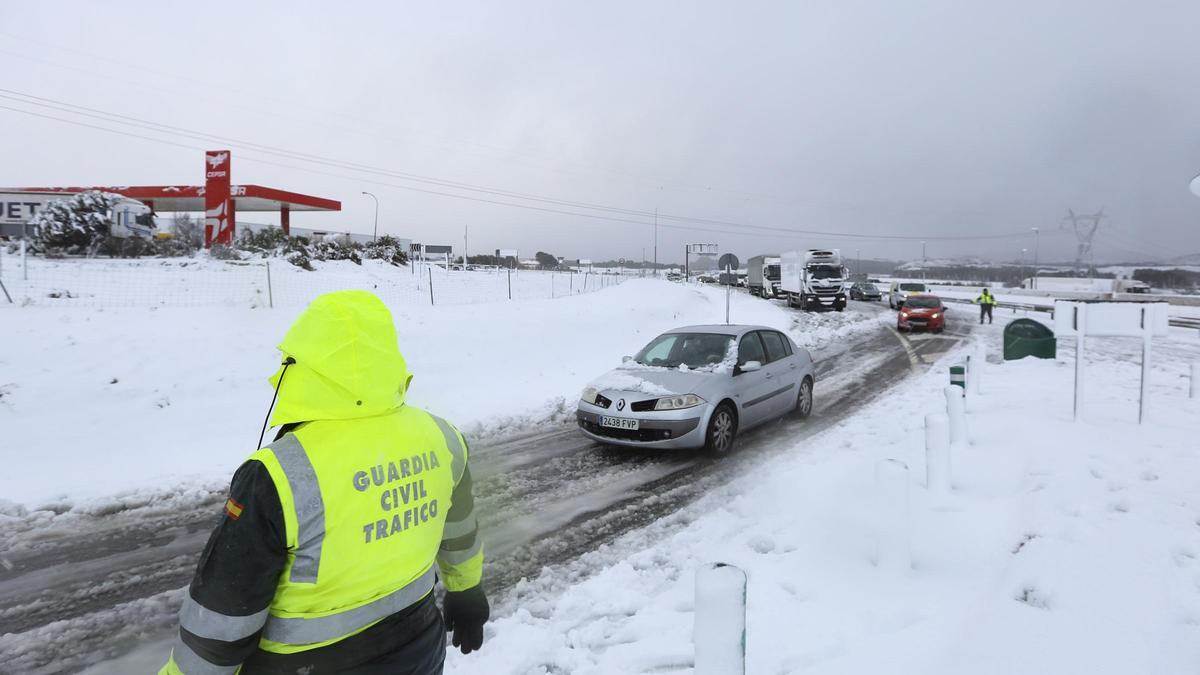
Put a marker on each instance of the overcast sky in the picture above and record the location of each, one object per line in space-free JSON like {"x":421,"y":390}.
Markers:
{"x":922,"y":119}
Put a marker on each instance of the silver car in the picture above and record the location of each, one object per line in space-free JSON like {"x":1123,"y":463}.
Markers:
{"x":699,"y":386}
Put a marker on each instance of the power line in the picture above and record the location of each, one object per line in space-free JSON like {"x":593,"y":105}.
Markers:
{"x":84,"y":111}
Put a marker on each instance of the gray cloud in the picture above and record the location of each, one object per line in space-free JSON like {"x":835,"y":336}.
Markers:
{"x":919,"y":118}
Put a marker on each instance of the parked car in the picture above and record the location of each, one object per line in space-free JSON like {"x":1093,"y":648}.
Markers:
{"x":922,"y":312}
{"x":865,"y":290}
{"x":901,"y":290}
{"x":699,"y":387}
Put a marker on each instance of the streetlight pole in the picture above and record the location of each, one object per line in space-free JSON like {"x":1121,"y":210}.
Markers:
{"x":375,"y":232}
{"x":924,"y":261}
{"x":1023,"y":267}
{"x":1036,"y":241}
{"x":858,"y":254}
{"x":656,"y":241}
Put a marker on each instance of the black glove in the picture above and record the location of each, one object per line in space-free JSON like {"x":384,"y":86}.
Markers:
{"x":466,"y":612}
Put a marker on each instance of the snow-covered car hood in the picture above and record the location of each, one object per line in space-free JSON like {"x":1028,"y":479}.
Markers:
{"x":656,"y":382}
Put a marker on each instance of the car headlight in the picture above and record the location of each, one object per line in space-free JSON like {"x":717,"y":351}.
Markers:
{"x":936,"y":315}
{"x":678,"y":402}
{"x":589,"y":395}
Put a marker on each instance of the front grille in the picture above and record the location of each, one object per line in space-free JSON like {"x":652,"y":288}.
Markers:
{"x":643,"y":435}
{"x":827,"y":291}
{"x":643,"y":406}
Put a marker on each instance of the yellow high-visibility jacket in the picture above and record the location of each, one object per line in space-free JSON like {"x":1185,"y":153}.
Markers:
{"x":368,"y":488}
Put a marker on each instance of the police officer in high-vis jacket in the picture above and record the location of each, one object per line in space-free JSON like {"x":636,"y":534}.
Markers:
{"x":324,"y":560}
{"x":987,"y":302}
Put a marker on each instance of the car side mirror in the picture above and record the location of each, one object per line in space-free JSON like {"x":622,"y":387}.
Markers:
{"x":750,"y":366}
{"x":626,"y":359}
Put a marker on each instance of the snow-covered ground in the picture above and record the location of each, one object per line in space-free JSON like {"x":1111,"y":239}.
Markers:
{"x":120,"y":404}
{"x":1063,"y":548}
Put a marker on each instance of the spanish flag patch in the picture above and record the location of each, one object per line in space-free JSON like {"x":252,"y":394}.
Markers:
{"x":233,"y":509}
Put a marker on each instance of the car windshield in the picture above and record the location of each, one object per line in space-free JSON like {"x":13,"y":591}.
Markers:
{"x":693,"y":350}
{"x":923,"y":302}
{"x":918,"y":288}
{"x":867,"y":287}
{"x":824,"y":272}
{"x":771,"y":272}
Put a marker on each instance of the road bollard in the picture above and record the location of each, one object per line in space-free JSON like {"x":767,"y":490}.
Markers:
{"x":975,"y":362}
{"x":892,"y":548}
{"x":958,"y":375}
{"x":956,"y":411}
{"x":937,"y":453}
{"x":719,"y":628}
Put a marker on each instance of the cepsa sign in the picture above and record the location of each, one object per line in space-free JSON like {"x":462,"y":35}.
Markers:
{"x":218,"y":207}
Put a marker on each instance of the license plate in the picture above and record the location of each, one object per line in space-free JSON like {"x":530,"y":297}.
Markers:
{"x":619,"y":423}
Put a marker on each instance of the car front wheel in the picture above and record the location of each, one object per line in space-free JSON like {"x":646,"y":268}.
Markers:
{"x":722,"y":430}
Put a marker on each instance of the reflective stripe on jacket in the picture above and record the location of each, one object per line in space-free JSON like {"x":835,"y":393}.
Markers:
{"x":986,"y":299}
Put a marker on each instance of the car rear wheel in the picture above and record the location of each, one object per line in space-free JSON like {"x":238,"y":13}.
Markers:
{"x":722,"y":430}
{"x":804,"y":399}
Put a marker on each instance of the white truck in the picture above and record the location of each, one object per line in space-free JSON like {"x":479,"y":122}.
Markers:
{"x":130,"y":218}
{"x":814,"y":279}
{"x":762,"y":276}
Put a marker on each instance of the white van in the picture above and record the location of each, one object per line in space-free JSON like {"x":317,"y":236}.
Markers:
{"x":900,"y":290}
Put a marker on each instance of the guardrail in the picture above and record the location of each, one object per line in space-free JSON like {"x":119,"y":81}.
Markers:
{"x":1176,"y":321}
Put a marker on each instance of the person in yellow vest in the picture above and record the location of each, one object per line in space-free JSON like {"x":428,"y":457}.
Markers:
{"x":986,"y":302}
{"x":324,"y":559}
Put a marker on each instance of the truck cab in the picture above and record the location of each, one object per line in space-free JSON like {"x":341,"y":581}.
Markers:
{"x":815,"y":279}
{"x":131,"y":218}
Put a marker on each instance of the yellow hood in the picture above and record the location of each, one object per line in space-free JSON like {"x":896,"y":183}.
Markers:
{"x":348,"y":364}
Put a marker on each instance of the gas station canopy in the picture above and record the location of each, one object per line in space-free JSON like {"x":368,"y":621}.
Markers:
{"x":169,"y":198}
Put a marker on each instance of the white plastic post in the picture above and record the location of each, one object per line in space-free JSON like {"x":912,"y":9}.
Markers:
{"x":937,"y":453}
{"x":1143,"y":398}
{"x":975,"y":374}
{"x":719,"y":630}
{"x":1195,"y":388}
{"x":24,"y":262}
{"x":1080,"y":329}
{"x":956,"y":411}
{"x":892,"y":550}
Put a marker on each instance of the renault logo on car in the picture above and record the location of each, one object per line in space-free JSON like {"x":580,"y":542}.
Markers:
{"x":621,"y":404}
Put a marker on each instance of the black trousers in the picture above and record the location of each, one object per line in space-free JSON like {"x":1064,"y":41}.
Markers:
{"x":985,"y":310}
{"x":410,"y":642}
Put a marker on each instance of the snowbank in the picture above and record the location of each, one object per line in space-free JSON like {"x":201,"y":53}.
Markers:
{"x":1063,"y":547}
{"x":125,"y":405}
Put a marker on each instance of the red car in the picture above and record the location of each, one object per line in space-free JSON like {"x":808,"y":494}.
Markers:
{"x":922,"y":312}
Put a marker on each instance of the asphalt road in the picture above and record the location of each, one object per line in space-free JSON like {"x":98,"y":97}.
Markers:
{"x":69,"y":598}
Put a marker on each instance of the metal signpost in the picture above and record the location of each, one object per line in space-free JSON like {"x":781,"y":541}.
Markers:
{"x":697,"y":249}
{"x":729,"y":263}
{"x":1111,"y":319}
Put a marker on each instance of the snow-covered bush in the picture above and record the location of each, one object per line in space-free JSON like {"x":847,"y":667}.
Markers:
{"x":386,"y":248}
{"x":223,"y":252}
{"x":76,"y":225}
{"x":333,"y":249}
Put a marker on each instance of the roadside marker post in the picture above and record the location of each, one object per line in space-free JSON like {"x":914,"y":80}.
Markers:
{"x":892,"y":546}
{"x":937,"y":453}
{"x":956,"y":413}
{"x":958,"y":376}
{"x":719,"y":628}
{"x":1195,"y":388}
